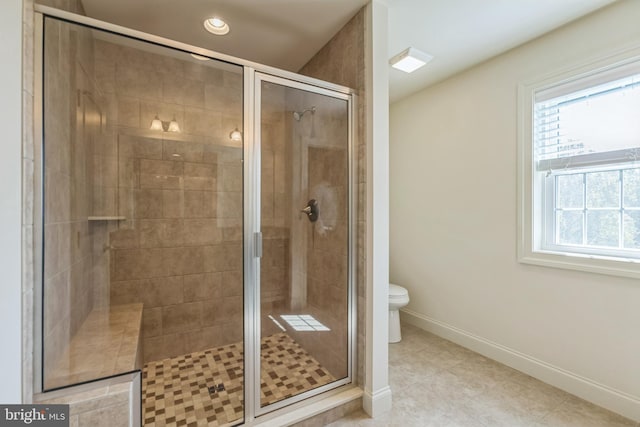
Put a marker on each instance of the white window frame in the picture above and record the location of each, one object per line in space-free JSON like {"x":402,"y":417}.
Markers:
{"x":550,"y":210}
{"x":530,"y":204}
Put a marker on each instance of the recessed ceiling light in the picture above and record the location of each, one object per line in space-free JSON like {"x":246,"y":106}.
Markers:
{"x":200,"y":57}
{"x":216,"y":25}
{"x":410,"y":60}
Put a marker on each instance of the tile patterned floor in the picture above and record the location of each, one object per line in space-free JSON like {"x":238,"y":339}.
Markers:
{"x":175,"y":391}
{"x":287,"y":369}
{"x":438,"y":383}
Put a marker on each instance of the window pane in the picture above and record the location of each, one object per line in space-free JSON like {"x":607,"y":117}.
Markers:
{"x":603,"y":189}
{"x":632,"y":229}
{"x":603,"y":228}
{"x":570,"y":191}
{"x":598,"y":119}
{"x":631,"y":183}
{"x":570,"y":227}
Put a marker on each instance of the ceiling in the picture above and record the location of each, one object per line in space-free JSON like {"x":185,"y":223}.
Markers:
{"x":462,"y":33}
{"x":280,"y":33}
{"x":287,"y":33}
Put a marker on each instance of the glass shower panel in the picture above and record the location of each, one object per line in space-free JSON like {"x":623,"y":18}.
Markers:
{"x":142,"y":196}
{"x":304,"y":217}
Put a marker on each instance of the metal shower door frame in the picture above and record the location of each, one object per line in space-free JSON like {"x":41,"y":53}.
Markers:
{"x":253,"y":75}
{"x":253,"y":80}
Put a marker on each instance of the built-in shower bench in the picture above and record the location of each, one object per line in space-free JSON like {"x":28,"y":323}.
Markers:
{"x":108,"y":343}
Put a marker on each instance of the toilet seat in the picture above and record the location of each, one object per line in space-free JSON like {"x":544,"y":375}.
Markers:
{"x":397,"y":292}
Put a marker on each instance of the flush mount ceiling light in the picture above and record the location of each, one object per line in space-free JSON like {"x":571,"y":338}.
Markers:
{"x":410,"y":60}
{"x":216,"y":25}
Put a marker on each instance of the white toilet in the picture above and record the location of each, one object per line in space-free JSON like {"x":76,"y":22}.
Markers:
{"x":398,"y":298}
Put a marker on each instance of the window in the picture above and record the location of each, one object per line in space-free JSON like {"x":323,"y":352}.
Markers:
{"x":595,"y":211}
{"x":580,"y":170}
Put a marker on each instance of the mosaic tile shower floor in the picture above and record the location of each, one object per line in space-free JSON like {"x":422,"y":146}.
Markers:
{"x":176,"y":391}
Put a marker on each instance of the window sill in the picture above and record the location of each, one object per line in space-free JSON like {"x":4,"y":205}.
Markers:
{"x":622,"y":267}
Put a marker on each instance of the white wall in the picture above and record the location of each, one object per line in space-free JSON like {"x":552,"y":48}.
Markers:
{"x":10,"y":199}
{"x":453,"y":226}
{"x":377,"y":393}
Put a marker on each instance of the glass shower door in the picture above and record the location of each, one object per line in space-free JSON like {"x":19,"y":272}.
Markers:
{"x":303,"y":137}
{"x":142,"y":222}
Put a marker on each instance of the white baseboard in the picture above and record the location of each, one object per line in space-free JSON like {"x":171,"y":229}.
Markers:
{"x":617,"y":401}
{"x":377,"y":403}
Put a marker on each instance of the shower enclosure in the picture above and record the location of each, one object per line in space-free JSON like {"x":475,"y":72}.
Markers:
{"x":196,"y":225}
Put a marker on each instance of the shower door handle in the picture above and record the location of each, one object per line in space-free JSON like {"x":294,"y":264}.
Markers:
{"x":257,"y":241}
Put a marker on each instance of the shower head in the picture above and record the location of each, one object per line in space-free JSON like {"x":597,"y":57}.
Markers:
{"x":297,"y":115}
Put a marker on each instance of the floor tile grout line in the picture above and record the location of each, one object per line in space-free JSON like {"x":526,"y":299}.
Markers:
{"x":281,"y":348}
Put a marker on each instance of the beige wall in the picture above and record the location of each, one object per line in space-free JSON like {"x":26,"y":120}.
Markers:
{"x":328,"y":258}
{"x":75,"y":266}
{"x":275,"y":217}
{"x":179,"y":250}
{"x":317,"y":147}
{"x":304,"y":268}
{"x":342,"y":61}
{"x":453,"y":220}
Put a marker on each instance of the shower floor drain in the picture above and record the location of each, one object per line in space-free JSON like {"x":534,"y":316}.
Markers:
{"x":216,"y":388}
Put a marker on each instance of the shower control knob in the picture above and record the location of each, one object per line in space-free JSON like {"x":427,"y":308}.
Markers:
{"x":311,"y":210}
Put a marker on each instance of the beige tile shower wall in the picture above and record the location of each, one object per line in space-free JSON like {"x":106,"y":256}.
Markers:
{"x":342,"y":61}
{"x":179,"y":251}
{"x":111,"y":403}
{"x":321,"y":166}
{"x":327,"y":258}
{"x":75,"y":266}
{"x":275,"y":198}
{"x":314,"y":162}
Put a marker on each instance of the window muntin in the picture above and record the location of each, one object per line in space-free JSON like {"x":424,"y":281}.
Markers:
{"x":595,"y":211}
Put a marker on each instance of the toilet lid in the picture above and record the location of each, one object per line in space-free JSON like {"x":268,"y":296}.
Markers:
{"x":397,"y":291}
